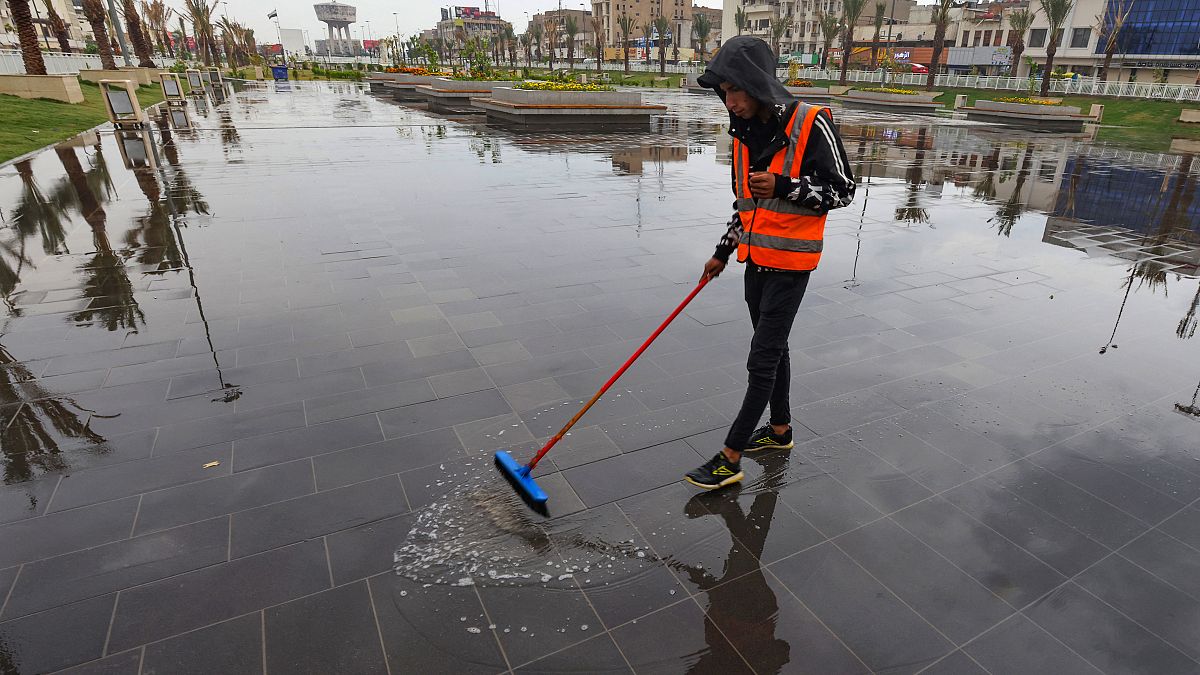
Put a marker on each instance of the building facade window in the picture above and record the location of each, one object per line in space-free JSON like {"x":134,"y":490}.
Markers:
{"x":987,"y":38}
{"x":1167,"y":27}
{"x":1080,"y":38}
{"x":1037,"y":38}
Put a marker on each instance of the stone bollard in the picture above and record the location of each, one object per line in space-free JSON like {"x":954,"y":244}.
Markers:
{"x":960,"y":101}
{"x":583,"y":79}
{"x":1097,"y":112}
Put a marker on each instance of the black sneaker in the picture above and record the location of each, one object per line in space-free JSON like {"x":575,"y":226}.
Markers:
{"x":716,"y":472}
{"x":764,"y":438}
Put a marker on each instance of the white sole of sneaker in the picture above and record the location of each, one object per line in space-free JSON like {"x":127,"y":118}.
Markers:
{"x":728,"y":481}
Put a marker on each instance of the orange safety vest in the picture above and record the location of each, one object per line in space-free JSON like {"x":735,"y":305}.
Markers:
{"x":777,"y":232}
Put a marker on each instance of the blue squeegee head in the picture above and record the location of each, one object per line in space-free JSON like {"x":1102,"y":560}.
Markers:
{"x":520,"y":478}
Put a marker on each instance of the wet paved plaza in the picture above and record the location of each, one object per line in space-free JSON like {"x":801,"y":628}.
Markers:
{"x":250,"y":387}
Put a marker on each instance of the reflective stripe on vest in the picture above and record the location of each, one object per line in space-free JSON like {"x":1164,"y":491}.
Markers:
{"x":778,"y":232}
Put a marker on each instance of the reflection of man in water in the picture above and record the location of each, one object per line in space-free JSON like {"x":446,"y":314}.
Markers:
{"x":747,"y":608}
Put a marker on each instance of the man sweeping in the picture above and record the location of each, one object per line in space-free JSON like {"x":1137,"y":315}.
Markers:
{"x":789,"y":170}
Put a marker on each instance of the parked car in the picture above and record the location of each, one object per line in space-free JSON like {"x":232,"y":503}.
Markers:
{"x":918,"y":69}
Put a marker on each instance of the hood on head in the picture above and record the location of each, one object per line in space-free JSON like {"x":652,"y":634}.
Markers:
{"x":749,"y":63}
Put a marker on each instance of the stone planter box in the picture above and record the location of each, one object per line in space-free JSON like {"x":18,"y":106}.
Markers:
{"x":921,"y":102}
{"x":1060,"y":118}
{"x":568,"y":109}
{"x":140,"y":76}
{"x":448,"y":96}
{"x":810,"y":93}
{"x":56,"y":87}
{"x":377,"y":82}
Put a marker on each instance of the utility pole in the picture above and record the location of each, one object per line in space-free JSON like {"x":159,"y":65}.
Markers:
{"x":116,"y":22}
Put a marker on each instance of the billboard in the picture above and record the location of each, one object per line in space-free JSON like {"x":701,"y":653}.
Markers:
{"x":370,"y":44}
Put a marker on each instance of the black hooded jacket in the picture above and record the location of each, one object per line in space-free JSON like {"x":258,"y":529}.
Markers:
{"x":826,"y":181}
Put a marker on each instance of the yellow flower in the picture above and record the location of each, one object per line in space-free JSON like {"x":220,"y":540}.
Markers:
{"x":1025,"y":100}
{"x":890,"y":90}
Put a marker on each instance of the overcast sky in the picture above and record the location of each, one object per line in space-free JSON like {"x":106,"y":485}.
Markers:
{"x":412,"y":16}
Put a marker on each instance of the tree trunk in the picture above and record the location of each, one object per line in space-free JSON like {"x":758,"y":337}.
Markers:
{"x":166,"y":40}
{"x":31,"y":53}
{"x":137,"y":38}
{"x":59,"y":28}
{"x":939,"y":43}
{"x":1108,"y":57}
{"x":1018,"y":50}
{"x":571,"y":54}
{"x":875,"y":50}
{"x":625,"y":53}
{"x":93,"y":11}
{"x":662,"y":59}
{"x":1051,"y":50}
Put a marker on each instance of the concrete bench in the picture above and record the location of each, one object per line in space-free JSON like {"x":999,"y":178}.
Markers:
{"x":1189,"y":116}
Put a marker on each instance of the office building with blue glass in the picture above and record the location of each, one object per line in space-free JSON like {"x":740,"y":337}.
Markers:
{"x":1159,"y":35}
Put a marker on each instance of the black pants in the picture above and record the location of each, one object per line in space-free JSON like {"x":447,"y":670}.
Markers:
{"x":773,"y":299}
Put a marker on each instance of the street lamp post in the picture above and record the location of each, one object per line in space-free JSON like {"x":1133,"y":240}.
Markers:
{"x":890,"y":49}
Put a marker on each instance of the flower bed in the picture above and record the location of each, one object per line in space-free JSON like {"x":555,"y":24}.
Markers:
{"x":542,"y":85}
{"x":795,"y":82}
{"x":1037,"y":114}
{"x":891,"y":98}
{"x":1026,"y":100}
{"x":890,"y":90}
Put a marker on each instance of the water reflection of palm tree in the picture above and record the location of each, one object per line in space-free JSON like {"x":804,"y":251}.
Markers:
{"x":38,"y":212}
{"x":106,"y":282}
{"x":1011,"y":209}
{"x":42,"y":424}
{"x":1187,"y":325}
{"x":749,"y":604}
{"x":230,"y":138}
{"x":912,"y":212}
{"x":1192,"y":408}
{"x":986,"y":187}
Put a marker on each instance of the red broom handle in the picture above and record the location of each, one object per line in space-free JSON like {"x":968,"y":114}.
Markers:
{"x":617,"y":375}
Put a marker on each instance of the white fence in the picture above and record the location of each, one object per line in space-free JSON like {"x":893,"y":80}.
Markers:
{"x":1081,"y":87}
{"x":58,"y":63}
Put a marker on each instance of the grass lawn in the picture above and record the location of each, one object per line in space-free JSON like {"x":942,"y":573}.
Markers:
{"x":33,"y":123}
{"x":1136,"y":123}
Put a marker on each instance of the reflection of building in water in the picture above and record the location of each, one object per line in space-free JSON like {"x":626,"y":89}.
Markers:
{"x":633,"y":159}
{"x":1005,"y":169}
{"x":1130,"y":213}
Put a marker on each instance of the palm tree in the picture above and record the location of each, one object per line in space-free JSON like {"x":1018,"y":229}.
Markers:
{"x":157,"y":14}
{"x":201,"y":14}
{"x":137,"y":39}
{"x":1056,"y":12}
{"x":598,"y":33}
{"x":648,"y":35}
{"x":537,"y":32}
{"x":58,"y":27}
{"x":93,"y":11}
{"x":551,"y":41}
{"x":702,"y":27}
{"x":829,"y":24}
{"x":779,"y":26}
{"x":510,"y":38}
{"x":1019,"y":22}
{"x":31,"y":53}
{"x":527,"y":43}
{"x":740,"y":19}
{"x":625,"y":22}
{"x":880,"y":8}
{"x":941,"y":21}
{"x":1108,"y":28}
{"x":571,"y":29}
{"x":663,"y":26}
{"x":851,"y":10}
